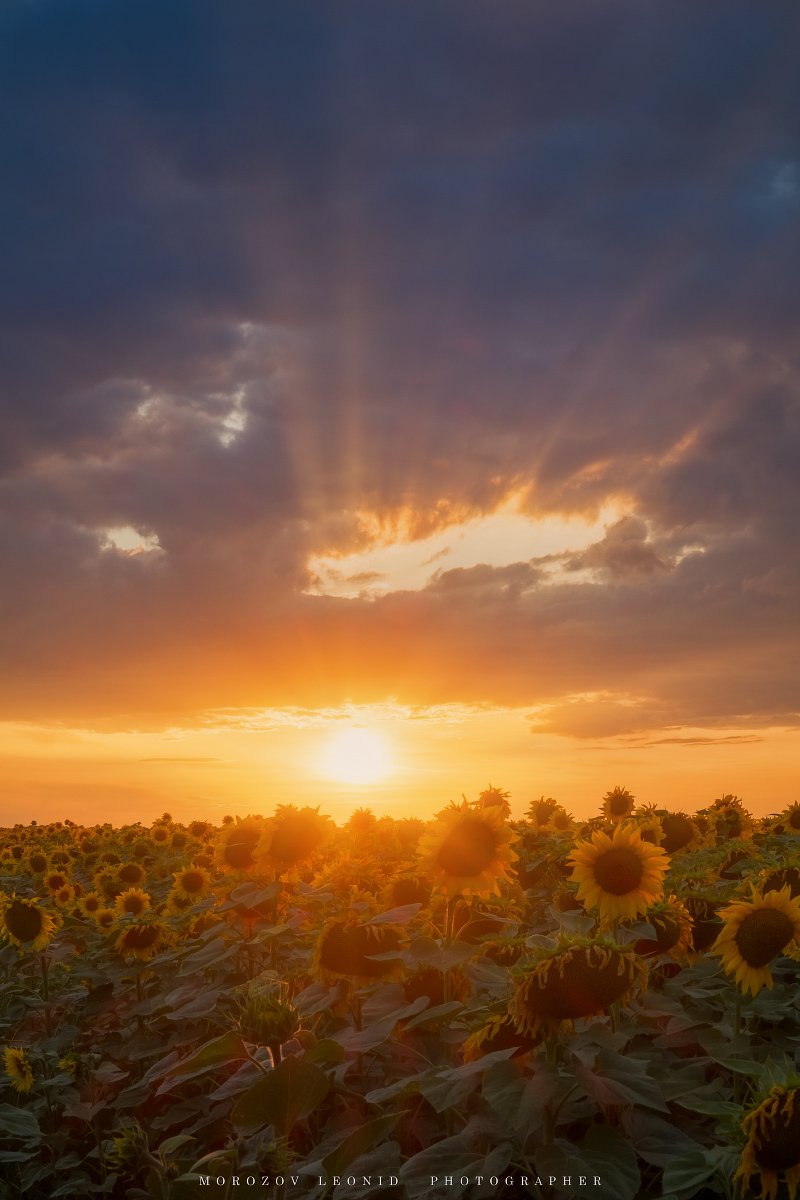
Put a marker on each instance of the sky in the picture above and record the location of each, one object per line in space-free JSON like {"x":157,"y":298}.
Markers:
{"x":428,"y":368}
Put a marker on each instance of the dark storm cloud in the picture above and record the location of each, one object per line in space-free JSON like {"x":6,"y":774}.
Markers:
{"x":268,"y":267}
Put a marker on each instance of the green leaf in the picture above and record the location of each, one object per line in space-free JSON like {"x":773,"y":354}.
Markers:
{"x":282,"y":1097}
{"x":614,"y":1081}
{"x":19,"y":1123}
{"x":174,"y":1143}
{"x":220,"y":1050}
{"x":357,"y":1143}
{"x":396,"y":916}
{"x":687,"y":1172}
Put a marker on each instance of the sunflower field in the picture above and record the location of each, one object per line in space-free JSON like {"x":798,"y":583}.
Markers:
{"x":472,"y":1006}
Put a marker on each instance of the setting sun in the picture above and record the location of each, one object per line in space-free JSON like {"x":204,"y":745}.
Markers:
{"x":357,"y":755}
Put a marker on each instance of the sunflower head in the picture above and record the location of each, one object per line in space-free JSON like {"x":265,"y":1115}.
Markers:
{"x":756,"y":931}
{"x":790,"y":820}
{"x":132,"y":874}
{"x":773,"y":1143}
{"x":192,"y":883}
{"x":618,"y":804}
{"x":239,"y":845}
{"x":105,"y":918}
{"x":345,"y":950}
{"x":679,"y":832}
{"x":38,"y":862}
{"x":467,"y":851}
{"x":408,"y":889}
{"x":579,"y":978}
{"x":673,"y":930}
{"x":267,"y":1017}
{"x":18,"y":1068}
{"x":64,"y":896}
{"x":498,"y":1033}
{"x":132,"y":903}
{"x":539,"y":811}
{"x":142,"y":940}
{"x":54,"y":881}
{"x":26,"y":924}
{"x":90,"y":904}
{"x":292,"y":836}
{"x":619,"y":874}
{"x":361,"y":822}
{"x":781,"y":877}
{"x":494,"y":797}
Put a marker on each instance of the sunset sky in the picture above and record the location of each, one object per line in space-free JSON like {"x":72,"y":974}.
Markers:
{"x":398,"y":397}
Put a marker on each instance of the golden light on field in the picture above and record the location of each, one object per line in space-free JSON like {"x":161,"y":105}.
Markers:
{"x":357,"y":755}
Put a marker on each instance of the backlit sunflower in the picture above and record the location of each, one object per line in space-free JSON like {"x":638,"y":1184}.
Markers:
{"x":539,"y":811}
{"x":345,"y":950}
{"x":18,"y":1069}
{"x":498,"y":1033}
{"x":729,"y":819}
{"x":621,"y":875}
{"x":160,"y":834}
{"x":132,"y":902}
{"x":38,"y":862}
{"x":192,"y":883}
{"x":579,"y":978}
{"x":618,"y":804}
{"x":781,"y":877}
{"x":755,"y":932}
{"x":26,"y":924}
{"x":773,"y":1143}
{"x":292,"y":835}
{"x":679,"y":832}
{"x":790,"y":819}
{"x":467,"y":851}
{"x":143,"y":940}
{"x":238,"y":845}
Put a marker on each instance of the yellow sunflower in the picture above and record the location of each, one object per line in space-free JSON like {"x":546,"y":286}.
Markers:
{"x":192,"y":883}
{"x":91,"y":903}
{"x":618,"y":804}
{"x":131,"y":873}
{"x":238,"y":845}
{"x":773,"y":1143}
{"x":105,"y":918}
{"x":143,"y":940}
{"x":755,"y":932}
{"x":64,"y":896}
{"x":132,"y":902}
{"x":18,"y":1069}
{"x":467,"y":851}
{"x":25,"y":924}
{"x":38,"y":862}
{"x":672,"y":924}
{"x":160,"y":834}
{"x":54,"y":881}
{"x":579,"y":978}
{"x":621,"y":875}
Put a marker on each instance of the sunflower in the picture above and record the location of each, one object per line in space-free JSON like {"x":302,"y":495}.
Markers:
{"x":498,"y":1033}
{"x":790,"y":820}
{"x":38,"y":862}
{"x":18,"y":1069}
{"x":131,"y":873}
{"x":621,"y":875}
{"x":780,"y":877}
{"x":25,"y":924}
{"x":618,"y":804}
{"x":706,"y":925}
{"x":90,"y":904}
{"x":579,"y":978}
{"x":292,"y":835}
{"x":133,"y":902}
{"x":361,"y":821}
{"x":143,"y":940}
{"x":467,"y":851}
{"x":494,"y":797}
{"x":238,"y":844}
{"x":160,"y":835}
{"x":754,"y":933}
{"x":267,"y":1018}
{"x":539,"y":811}
{"x":729,"y":819}
{"x":64,"y":896}
{"x":773,"y":1143}
{"x":105,"y":918}
{"x":346,"y":949}
{"x":673,"y":930}
{"x":192,"y":883}
{"x":54,"y":881}
{"x":679,"y":832}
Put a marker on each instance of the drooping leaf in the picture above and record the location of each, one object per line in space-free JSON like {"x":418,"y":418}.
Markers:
{"x":282,"y":1097}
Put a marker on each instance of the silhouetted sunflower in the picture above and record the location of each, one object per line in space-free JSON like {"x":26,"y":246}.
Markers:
{"x":38,"y":862}
{"x":345,"y":950}
{"x":790,"y":819}
{"x":679,"y":832}
{"x":238,"y":844}
{"x":579,"y":978}
{"x":18,"y":1069}
{"x":25,"y":924}
{"x":498,"y":1033}
{"x":781,"y":877}
{"x":621,"y":875}
{"x":673,"y":930}
{"x":292,"y":835}
{"x":467,"y":851}
{"x":773,"y":1143}
{"x":618,"y":804}
{"x":754,"y":932}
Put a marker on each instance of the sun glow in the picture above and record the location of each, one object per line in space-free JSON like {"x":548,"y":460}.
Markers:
{"x":357,"y":755}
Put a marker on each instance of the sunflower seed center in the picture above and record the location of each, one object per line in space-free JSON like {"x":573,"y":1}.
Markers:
{"x":619,"y":871}
{"x":762,"y":935}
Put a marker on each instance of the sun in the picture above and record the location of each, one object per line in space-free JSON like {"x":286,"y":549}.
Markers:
{"x":357,"y":755}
